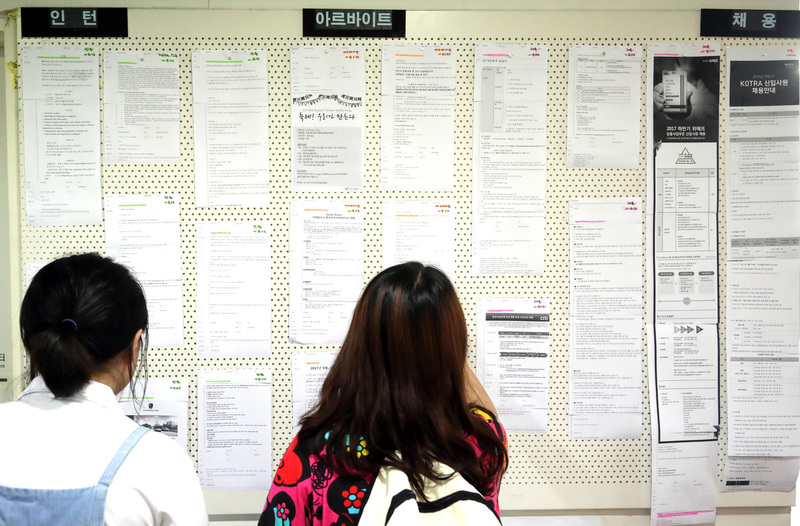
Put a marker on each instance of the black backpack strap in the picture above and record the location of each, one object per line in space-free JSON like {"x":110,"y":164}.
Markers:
{"x":437,"y":505}
{"x":397,"y":500}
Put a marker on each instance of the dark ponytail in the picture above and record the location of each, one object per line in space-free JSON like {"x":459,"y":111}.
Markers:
{"x":79,"y":313}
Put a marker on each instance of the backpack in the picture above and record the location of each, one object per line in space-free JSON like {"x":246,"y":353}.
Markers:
{"x":392,"y":501}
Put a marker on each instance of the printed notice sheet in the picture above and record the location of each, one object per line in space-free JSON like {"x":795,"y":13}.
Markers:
{"x":509,"y":160}
{"x":763,"y":331}
{"x":763,"y":271}
{"x":161,"y":404}
{"x":418,"y":107}
{"x":309,"y":370}
{"x":682,"y":277}
{"x":605,"y":318}
{"x":326,"y":241}
{"x":231,"y":127}
{"x":234,"y":443}
{"x":328,"y":92}
{"x":760,"y":474}
{"x":603,"y":106}
{"x":684,"y":487}
{"x":686,"y":375}
{"x":61,"y":135}
{"x":143,"y":232}
{"x":141,"y":107}
{"x":233,"y":289}
{"x":423,"y":231}
{"x":763,"y":153}
{"x":683,"y":136}
{"x":514,"y":359}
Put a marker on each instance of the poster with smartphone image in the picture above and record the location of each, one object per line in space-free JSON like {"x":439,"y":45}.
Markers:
{"x":682,"y":272}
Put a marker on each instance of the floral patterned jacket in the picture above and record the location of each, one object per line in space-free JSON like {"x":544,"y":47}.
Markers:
{"x":306,"y":491}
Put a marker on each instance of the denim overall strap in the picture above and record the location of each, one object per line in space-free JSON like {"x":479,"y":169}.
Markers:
{"x":124,"y":449}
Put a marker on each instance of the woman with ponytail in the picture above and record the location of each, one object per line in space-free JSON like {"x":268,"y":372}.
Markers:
{"x":68,"y":454}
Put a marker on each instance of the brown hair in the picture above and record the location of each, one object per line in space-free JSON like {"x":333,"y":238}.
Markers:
{"x":398,"y":384}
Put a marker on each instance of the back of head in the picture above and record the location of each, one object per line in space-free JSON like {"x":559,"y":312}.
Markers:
{"x":79,"y":312}
{"x":398,"y":381}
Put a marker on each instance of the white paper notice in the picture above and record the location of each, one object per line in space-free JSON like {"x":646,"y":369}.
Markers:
{"x":231,"y":127}
{"x":682,"y":277}
{"x":514,"y":359}
{"x":143,"y":232}
{"x":162,"y":404}
{"x":418,"y":107}
{"x":760,"y":474}
{"x":683,"y":131}
{"x":141,"y":107}
{"x":763,"y":331}
{"x":509,"y":160}
{"x":685,"y":484}
{"x":309,"y":370}
{"x":605,"y":318}
{"x":603,"y":106}
{"x":686,"y":233}
{"x":326,"y":247}
{"x":233,"y":289}
{"x":328,"y":92}
{"x":234,"y":444}
{"x":763,"y":157}
{"x":423,"y":231}
{"x":687,"y":383}
{"x":61,"y":118}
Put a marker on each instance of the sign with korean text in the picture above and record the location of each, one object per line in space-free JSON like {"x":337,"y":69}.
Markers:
{"x":754,"y":23}
{"x":381,"y":23}
{"x":74,"y":22}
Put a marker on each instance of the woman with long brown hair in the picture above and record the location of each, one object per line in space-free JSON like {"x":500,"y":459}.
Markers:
{"x":400,"y":394}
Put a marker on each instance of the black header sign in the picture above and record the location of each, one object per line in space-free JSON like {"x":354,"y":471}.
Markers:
{"x":74,"y":22}
{"x":749,"y":23}
{"x":381,"y":23}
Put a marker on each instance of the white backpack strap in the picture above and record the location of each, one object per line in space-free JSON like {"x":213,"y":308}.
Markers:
{"x":452,"y":501}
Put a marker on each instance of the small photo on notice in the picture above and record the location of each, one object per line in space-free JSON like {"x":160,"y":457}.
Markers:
{"x":164,"y":424}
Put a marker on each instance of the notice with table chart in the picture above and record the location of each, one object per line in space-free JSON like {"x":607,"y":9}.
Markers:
{"x":682,"y":277}
{"x":685,"y":374}
{"x":763,"y":331}
{"x":233,"y":289}
{"x":509,"y":160}
{"x":418,"y":104}
{"x":514,"y":359}
{"x":328,"y":92}
{"x":234,"y":429}
{"x":141,"y":107}
{"x":231,"y":127}
{"x":423,"y":231}
{"x":326,"y":247}
{"x":309,"y":370}
{"x":162,"y":405}
{"x":683,"y":135}
{"x":143,"y":232}
{"x":61,"y":135}
{"x":605,"y":318}
{"x":603,"y":106}
{"x":763,"y":153}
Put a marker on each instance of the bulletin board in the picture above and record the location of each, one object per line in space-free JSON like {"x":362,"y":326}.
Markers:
{"x":548,"y":473}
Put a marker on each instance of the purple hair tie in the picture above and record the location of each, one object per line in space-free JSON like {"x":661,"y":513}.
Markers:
{"x":68,"y":320}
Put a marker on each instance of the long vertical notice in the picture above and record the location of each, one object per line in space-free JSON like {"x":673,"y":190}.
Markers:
{"x":509,"y":160}
{"x":682,"y":263}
